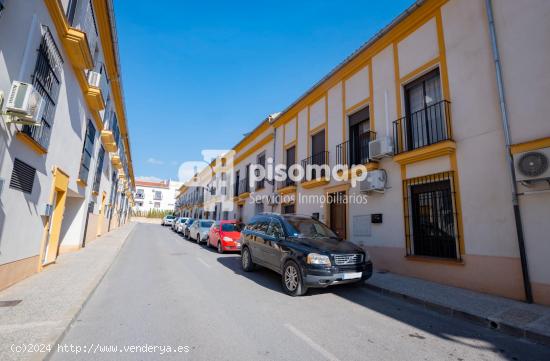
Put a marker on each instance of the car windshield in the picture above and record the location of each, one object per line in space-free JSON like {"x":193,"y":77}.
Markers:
{"x":206,"y":224}
{"x":170,"y":217}
{"x":189,"y":221}
{"x":230,"y":227}
{"x":308,"y":228}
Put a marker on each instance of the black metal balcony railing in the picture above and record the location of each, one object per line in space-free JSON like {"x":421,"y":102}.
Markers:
{"x":286,"y":183}
{"x":308,"y":164}
{"x":423,"y":127}
{"x":355,"y":151}
{"x":140,"y":196}
{"x":244,"y":187}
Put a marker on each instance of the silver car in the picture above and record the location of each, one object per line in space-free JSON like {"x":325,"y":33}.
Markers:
{"x":198,"y":231}
{"x":168,"y":220}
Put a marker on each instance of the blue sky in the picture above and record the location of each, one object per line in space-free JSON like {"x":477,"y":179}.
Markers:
{"x":199,"y":74}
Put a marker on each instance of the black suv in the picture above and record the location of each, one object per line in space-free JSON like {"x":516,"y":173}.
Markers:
{"x":304,"y":251}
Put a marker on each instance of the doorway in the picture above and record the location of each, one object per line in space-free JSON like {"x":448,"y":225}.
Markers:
{"x":50,"y":248}
{"x":337,"y":213}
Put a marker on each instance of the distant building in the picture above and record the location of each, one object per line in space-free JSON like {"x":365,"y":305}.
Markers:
{"x":155,"y":195}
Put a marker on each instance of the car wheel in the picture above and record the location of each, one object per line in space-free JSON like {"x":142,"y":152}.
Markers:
{"x":198,"y":238}
{"x":246,"y":260}
{"x":292,"y":280}
{"x":220,"y":248}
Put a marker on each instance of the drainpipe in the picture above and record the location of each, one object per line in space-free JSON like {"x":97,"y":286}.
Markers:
{"x":506,"y":128}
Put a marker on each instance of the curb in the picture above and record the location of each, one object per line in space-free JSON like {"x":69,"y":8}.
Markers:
{"x":466,"y":316}
{"x":79,"y":309}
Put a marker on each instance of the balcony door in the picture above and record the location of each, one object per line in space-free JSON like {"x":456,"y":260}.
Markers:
{"x":359,"y":137}
{"x":318,"y":152}
{"x":290,"y":160}
{"x":425,"y":120}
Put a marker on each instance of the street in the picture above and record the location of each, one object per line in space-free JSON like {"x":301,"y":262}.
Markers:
{"x":163,"y":290}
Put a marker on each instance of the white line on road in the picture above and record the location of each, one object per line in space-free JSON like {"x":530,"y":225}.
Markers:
{"x":203,"y":262}
{"x":311,"y":343}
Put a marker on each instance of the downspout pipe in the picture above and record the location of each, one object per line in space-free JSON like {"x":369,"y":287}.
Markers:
{"x":509,"y":159}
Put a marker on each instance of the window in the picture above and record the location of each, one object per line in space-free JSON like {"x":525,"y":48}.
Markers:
{"x":140,"y":193}
{"x":46,"y":79}
{"x":290,"y":160}
{"x":157,"y":205}
{"x":157,"y":196}
{"x":258,"y":208}
{"x":99,"y":167}
{"x":430,"y":220}
{"x":261,"y":162}
{"x":22,"y":176}
{"x":275,"y":229}
{"x":426,"y":120}
{"x":87,"y":151}
{"x":288,"y":209}
{"x":359,"y":137}
{"x":318,"y":155}
{"x":1,"y":7}
{"x":262,"y":225}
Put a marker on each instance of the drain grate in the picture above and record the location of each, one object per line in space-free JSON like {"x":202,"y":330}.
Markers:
{"x":10,"y":303}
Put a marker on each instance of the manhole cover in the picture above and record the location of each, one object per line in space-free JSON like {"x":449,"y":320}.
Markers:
{"x":9,"y":303}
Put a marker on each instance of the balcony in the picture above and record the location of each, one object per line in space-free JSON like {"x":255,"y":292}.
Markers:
{"x":110,"y":136}
{"x":355,"y":151}
{"x":424,"y":134}
{"x":97,"y":91}
{"x":316,"y":170}
{"x":82,"y":36}
{"x":287,"y":186}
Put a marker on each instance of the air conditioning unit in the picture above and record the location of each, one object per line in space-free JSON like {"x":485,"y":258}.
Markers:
{"x":375,"y":181}
{"x":532,"y":165}
{"x":94,"y":78}
{"x":380,"y":148}
{"x":25,"y":105}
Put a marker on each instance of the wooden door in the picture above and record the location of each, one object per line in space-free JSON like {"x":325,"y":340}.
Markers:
{"x":337,"y":216}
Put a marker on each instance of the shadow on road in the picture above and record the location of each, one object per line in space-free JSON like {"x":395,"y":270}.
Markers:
{"x":261,"y":276}
{"x":426,"y":321}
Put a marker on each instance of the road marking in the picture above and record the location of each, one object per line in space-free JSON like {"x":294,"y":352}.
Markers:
{"x":311,"y":343}
{"x":203,"y":262}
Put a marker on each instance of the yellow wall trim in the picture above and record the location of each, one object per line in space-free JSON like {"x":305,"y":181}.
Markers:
{"x":33,"y":144}
{"x":13,"y":272}
{"x":315,"y":183}
{"x":253,"y":148}
{"x":81,"y":183}
{"x":530,"y":145}
{"x":431,"y":151}
{"x":287,"y":190}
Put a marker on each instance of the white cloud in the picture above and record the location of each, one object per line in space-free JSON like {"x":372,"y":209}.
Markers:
{"x":149,"y":178}
{"x":155,"y":161}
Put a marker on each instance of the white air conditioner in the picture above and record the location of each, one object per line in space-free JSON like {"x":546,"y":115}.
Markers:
{"x":25,"y":104}
{"x":532,"y":165}
{"x":94,"y":78}
{"x":380,"y":148}
{"x":375,"y":181}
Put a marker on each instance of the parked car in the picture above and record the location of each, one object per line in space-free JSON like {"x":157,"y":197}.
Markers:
{"x":305,"y":252}
{"x":185,"y":227}
{"x":198,"y":231}
{"x":168,"y":220}
{"x":179,"y":225}
{"x":225,"y":235}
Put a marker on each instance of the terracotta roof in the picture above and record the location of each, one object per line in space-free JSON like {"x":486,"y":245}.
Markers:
{"x":160,"y":184}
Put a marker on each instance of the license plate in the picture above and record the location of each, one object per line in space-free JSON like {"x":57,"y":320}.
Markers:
{"x":350,"y":276}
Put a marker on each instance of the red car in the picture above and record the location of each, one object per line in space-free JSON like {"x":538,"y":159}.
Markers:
{"x":225,"y":235}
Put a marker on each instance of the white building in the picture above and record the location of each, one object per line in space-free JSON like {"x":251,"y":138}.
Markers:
{"x":426,"y":87}
{"x":156,"y":195}
{"x":68,"y":180}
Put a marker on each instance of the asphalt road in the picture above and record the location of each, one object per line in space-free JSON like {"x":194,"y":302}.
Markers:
{"x":163,"y":290}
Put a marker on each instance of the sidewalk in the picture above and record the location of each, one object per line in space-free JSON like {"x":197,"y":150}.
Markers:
{"x":512,"y":317}
{"x":52,"y":299}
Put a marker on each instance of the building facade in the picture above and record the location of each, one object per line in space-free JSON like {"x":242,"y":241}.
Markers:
{"x":68,"y":179}
{"x":425,"y":91}
{"x":156,"y":195}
